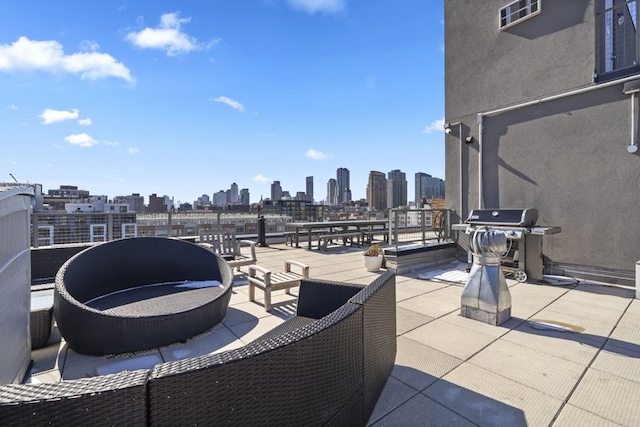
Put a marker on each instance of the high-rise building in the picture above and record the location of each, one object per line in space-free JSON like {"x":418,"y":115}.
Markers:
{"x":396,"y":189}
{"x":428,"y":187}
{"x":221,"y":198}
{"x":276,"y":191}
{"x":421,"y":188}
{"x":309,"y":189}
{"x":332,"y":192}
{"x":244,"y":197}
{"x":377,"y":191}
{"x":233,"y":193}
{"x":344,"y":185}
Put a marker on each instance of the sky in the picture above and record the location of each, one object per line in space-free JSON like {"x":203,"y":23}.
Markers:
{"x":184,"y":98}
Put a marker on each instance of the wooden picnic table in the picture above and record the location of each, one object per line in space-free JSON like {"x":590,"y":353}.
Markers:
{"x":328,"y":227}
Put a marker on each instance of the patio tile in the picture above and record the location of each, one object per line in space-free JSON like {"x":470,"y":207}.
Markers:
{"x":630,"y":319}
{"x":407,"y":320}
{"x":608,"y":396}
{"x":628,"y":338}
{"x":420,"y":411}
{"x":549,"y":374}
{"x":50,"y":358}
{"x":394,"y":394}
{"x":457,"y":319}
{"x":600,"y":295}
{"x":249,"y":331}
{"x":419,"y":365}
{"x":620,"y":361}
{"x":585,"y":311}
{"x":555,"y":343}
{"x":413,"y":287}
{"x":454,"y":340}
{"x":596,"y":329}
{"x":572,"y":416}
{"x":492,"y":400}
{"x":436,"y":303}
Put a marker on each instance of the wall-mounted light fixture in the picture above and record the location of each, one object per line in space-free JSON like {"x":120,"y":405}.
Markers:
{"x":469,"y":140}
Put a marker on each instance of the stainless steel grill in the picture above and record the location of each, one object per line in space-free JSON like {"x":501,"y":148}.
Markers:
{"x":525,"y":258}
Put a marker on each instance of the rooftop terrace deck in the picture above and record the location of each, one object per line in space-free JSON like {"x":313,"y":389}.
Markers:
{"x":569,"y":356}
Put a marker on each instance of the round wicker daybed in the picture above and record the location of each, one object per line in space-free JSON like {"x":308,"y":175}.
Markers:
{"x":139,"y":293}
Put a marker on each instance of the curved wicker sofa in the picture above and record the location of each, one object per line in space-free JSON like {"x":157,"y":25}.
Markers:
{"x":164,"y":314}
{"x":325,"y":366}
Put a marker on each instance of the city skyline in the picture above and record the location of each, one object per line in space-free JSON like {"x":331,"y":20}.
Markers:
{"x":184,"y":98}
{"x":236,"y":195}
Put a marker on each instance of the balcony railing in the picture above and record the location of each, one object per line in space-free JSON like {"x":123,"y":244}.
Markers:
{"x":418,"y":227}
{"x":407,"y":226}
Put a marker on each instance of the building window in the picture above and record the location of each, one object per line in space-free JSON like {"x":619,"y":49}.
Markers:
{"x":518,"y":11}
{"x":616,"y":39}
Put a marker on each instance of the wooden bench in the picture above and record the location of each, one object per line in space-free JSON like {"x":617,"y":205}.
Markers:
{"x":369,"y":235}
{"x":347,"y":237}
{"x":225,"y":244}
{"x":268,"y":281}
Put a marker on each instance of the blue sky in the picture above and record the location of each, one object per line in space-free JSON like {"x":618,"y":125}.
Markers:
{"x":182,"y":98}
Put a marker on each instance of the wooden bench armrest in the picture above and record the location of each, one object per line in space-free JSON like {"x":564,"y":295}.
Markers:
{"x":255,"y":270}
{"x":251,"y":244}
{"x":304,"y":268}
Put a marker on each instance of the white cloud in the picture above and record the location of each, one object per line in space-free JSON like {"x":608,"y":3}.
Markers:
{"x":49,"y":116}
{"x":313,"y":6}
{"x":315,"y":155}
{"x":81,"y":140}
{"x":260,"y":178}
{"x":48,"y":56}
{"x":12,"y":107}
{"x":111,"y":143}
{"x":435,"y":126}
{"x":133,"y":151}
{"x":168,"y":36}
{"x":230,"y":102}
{"x":85,"y":122}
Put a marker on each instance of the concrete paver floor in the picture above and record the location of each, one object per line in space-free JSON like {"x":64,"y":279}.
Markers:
{"x":569,"y":356}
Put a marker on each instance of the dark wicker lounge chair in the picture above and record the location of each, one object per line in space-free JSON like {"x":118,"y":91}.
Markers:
{"x":325,"y":366}
{"x":138,"y":313}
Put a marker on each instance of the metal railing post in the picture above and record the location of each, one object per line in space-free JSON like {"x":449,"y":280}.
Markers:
{"x":35,"y":221}
{"x":423,"y":225}
{"x":109,"y":226}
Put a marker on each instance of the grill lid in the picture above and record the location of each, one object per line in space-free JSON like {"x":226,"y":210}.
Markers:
{"x":504,"y":217}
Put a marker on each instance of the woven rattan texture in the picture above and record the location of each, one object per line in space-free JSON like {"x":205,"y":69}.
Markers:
{"x":112,"y":400}
{"x":116,"y":265}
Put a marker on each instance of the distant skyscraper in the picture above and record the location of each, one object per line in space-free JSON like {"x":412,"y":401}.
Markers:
{"x":220,"y":198}
{"x":421,"y":187}
{"x":233,"y":193}
{"x":244,"y":197}
{"x":332,"y":192}
{"x":396,"y":189}
{"x":344,"y":185}
{"x":377,"y":191}
{"x":276,"y":191}
{"x":309,"y":189}
{"x":428,"y":187}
